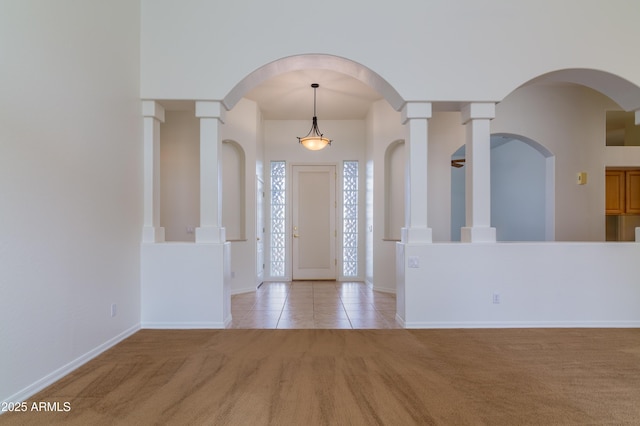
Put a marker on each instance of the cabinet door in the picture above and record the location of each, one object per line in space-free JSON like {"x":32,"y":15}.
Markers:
{"x":632,"y":192}
{"x":615,"y":192}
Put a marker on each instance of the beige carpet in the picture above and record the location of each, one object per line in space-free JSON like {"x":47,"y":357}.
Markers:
{"x":355,"y":377}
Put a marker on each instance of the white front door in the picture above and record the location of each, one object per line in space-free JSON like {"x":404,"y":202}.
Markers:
{"x":314,"y":223}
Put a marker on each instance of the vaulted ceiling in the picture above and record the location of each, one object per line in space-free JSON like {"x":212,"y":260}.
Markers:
{"x":289,"y":96}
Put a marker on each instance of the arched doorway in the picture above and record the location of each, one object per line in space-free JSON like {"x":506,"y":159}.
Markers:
{"x":522,"y":189}
{"x":281,"y":91}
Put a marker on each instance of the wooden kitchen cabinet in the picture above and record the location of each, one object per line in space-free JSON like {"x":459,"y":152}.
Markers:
{"x":632,"y":192}
{"x":615,"y":192}
{"x":622,"y":192}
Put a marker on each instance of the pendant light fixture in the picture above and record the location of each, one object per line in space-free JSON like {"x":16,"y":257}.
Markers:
{"x":314,"y":140}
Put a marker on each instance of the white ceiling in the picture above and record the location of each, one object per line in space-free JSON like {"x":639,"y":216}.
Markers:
{"x":289,"y":96}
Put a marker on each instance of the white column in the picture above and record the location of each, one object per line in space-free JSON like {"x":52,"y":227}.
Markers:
{"x":211,"y":114}
{"x":153,"y":114}
{"x":638,"y":117}
{"x":416,"y":116}
{"x":477,"y":117}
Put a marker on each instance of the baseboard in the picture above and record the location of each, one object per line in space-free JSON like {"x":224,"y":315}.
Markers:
{"x":244,"y":290}
{"x":56,"y":375}
{"x":525,"y":324}
{"x":185,"y":325}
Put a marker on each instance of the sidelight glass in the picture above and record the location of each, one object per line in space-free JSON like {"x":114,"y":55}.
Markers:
{"x":350,"y":219}
{"x":278,"y":209}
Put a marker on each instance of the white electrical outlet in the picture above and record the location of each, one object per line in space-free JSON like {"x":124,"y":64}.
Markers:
{"x":113,"y":310}
{"x":496,"y":298}
{"x":414,"y":262}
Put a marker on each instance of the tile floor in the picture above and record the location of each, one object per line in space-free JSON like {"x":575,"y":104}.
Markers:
{"x":314,"y":304}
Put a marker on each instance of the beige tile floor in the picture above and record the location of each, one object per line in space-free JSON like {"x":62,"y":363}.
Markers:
{"x":314,"y":304}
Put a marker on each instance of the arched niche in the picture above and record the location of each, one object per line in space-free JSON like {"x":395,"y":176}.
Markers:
{"x":233,"y":168}
{"x":522,"y":189}
{"x":394,"y":181}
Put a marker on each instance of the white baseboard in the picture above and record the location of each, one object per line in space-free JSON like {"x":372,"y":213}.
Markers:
{"x":526,"y":324}
{"x":56,"y":375}
{"x":243,"y":290}
{"x":370,"y":285}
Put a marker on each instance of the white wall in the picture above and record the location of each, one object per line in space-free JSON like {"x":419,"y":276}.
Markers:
{"x":578,"y":284}
{"x":518,"y":177}
{"x":243,"y":126}
{"x":385,"y":129}
{"x":497,"y":47}
{"x":185,"y":285}
{"x":70,"y":186}
{"x":446,"y":135}
{"x":622,"y":156}
{"x":180,"y":175}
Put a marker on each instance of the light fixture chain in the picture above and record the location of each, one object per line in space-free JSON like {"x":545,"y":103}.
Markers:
{"x":314,"y":139}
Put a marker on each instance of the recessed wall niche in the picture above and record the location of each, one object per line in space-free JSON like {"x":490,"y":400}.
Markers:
{"x":394,"y":166}
{"x":233,"y":190}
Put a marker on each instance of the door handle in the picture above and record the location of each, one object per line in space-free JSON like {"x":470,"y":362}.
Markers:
{"x":295,"y":235}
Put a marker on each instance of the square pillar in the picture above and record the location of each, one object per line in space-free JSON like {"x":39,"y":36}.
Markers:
{"x":211,"y":114}
{"x":477,"y":116}
{"x":416,"y":116}
{"x":153,"y":115}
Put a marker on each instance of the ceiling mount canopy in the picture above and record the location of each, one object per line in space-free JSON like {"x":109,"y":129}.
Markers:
{"x":314,"y":140}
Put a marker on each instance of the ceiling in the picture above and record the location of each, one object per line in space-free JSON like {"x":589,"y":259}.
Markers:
{"x":289,"y":96}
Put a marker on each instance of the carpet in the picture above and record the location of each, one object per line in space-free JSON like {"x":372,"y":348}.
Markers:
{"x":353,"y":377}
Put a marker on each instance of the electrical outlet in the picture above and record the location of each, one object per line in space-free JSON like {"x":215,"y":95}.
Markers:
{"x":414,"y":262}
{"x":113,"y":310}
{"x":496,"y":298}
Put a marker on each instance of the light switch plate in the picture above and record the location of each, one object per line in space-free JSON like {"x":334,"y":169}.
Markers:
{"x":582,"y":178}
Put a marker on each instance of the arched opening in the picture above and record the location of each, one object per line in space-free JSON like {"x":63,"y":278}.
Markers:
{"x":280,"y":90}
{"x":522,"y":189}
{"x":620,"y":90}
{"x":566,"y":111}
{"x":349,"y":98}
